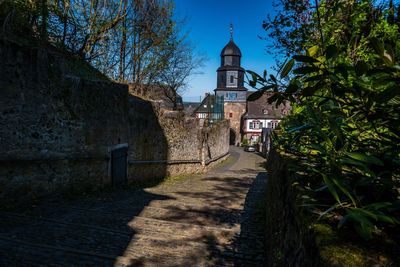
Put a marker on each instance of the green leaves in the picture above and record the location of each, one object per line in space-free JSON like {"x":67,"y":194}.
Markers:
{"x":306,"y":70}
{"x":364,"y":218}
{"x":292,"y":88}
{"x":337,"y":116}
{"x":361,"y":222}
{"x":344,"y":132}
{"x":271,"y":83}
{"x":287,"y":68}
{"x":331,"y":52}
{"x":361,"y":68}
{"x":312,"y":51}
{"x":302,"y":59}
{"x":306,"y":59}
{"x":365,"y":158}
{"x":299,"y":128}
{"x":256,"y":95}
{"x":377,"y":45}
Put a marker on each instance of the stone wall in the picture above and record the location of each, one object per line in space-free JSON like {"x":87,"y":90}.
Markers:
{"x":165,"y":143}
{"x":55,"y":127}
{"x":237,"y":109}
{"x":216,"y":141}
{"x":288,"y":241}
{"x":59,"y":118}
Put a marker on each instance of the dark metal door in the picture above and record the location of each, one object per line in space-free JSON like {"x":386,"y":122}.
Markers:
{"x":119,"y":166}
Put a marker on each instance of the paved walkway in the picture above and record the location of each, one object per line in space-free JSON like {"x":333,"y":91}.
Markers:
{"x":206,"y":220}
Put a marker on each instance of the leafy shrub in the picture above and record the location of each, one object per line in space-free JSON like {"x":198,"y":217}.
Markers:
{"x":344,"y":131}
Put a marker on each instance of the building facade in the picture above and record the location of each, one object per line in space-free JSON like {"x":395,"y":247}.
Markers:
{"x":260,"y":114}
{"x":205,"y":110}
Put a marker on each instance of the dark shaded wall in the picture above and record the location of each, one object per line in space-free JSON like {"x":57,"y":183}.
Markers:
{"x":288,"y":241}
{"x":55,"y":127}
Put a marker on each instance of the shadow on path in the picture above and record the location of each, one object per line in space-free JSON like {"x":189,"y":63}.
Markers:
{"x":86,"y":232}
{"x":214,"y":219}
{"x":247,"y":247}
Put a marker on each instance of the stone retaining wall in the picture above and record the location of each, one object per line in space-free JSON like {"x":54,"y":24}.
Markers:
{"x":288,"y":241}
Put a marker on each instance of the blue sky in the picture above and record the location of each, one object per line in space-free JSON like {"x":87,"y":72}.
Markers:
{"x":208,"y":26}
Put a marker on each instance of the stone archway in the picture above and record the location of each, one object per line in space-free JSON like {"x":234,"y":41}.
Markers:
{"x":232,"y":137}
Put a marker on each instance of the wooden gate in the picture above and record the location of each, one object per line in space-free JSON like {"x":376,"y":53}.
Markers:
{"x":119,"y":165}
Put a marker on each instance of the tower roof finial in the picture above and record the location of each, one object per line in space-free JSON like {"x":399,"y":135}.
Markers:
{"x":231,"y":30}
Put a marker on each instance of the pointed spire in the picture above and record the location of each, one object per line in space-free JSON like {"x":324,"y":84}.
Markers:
{"x":231,"y":31}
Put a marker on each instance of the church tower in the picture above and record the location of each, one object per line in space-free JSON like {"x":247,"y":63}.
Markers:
{"x":230,"y":85}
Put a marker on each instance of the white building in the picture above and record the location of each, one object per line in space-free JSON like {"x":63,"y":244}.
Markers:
{"x":260,"y":114}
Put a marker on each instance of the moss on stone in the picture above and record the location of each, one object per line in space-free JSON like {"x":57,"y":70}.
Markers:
{"x":225,"y":163}
{"x":341,"y":251}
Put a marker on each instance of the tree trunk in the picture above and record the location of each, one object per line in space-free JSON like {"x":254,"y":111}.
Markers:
{"x":122,"y":53}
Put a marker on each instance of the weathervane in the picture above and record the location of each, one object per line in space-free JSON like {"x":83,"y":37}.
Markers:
{"x":231,"y":30}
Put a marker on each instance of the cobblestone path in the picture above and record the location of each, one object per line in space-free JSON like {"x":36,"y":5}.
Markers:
{"x":207,"y":220}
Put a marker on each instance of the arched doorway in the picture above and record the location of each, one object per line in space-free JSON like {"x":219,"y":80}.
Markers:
{"x":232,"y":137}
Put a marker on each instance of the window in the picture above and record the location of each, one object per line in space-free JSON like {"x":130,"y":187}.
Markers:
{"x":230,"y":114}
{"x":273,"y":124}
{"x":231,"y":78}
{"x":265,"y":111}
{"x":256,"y":125}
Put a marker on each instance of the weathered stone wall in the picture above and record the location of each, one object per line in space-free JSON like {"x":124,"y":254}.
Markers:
{"x":59,"y":119}
{"x":55,"y":127}
{"x":288,"y":241}
{"x":183,"y":135}
{"x":216,"y":141}
{"x":237,"y":109}
{"x":165,"y":143}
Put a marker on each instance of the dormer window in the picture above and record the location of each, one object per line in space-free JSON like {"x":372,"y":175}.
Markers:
{"x":265,"y":111}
